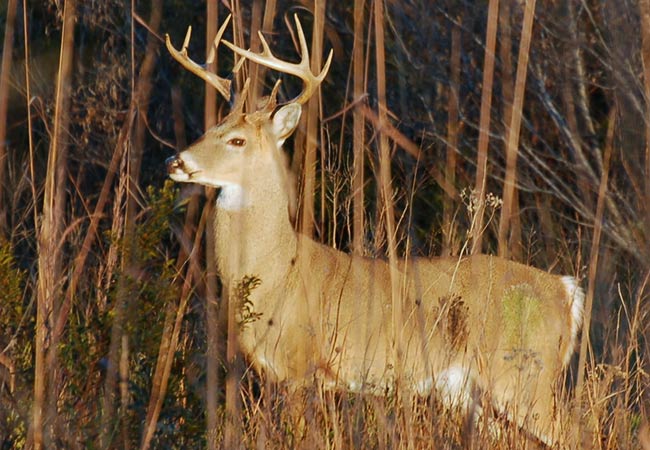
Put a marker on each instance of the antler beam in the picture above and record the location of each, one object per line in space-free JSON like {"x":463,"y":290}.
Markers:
{"x":301,"y":70}
{"x":220,"y":84}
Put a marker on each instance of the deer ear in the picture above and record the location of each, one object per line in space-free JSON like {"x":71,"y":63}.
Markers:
{"x":285,"y":121}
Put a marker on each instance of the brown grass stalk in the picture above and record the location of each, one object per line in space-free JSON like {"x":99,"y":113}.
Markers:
{"x":160,"y":377}
{"x":633,"y":361}
{"x":453,"y":125}
{"x":5,"y":70}
{"x":263,"y":22}
{"x":507,"y":87}
{"x":257,"y":84}
{"x":358,"y":128}
{"x":593,"y":268}
{"x":514,"y":128}
{"x":238,"y":39}
{"x":233,"y":405}
{"x":30,"y":135}
{"x":49,"y":235}
{"x":321,"y":131}
{"x":211,"y":319}
{"x":210,"y":102}
{"x":484,"y":124}
{"x":270,"y":11}
{"x":311,"y":121}
{"x":386,"y":189}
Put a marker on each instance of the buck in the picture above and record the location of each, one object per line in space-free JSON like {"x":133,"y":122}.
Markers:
{"x":307,"y":311}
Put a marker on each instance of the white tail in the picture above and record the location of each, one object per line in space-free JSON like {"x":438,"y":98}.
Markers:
{"x":478,"y":323}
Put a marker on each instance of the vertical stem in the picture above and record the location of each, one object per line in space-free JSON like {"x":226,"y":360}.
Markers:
{"x":384,"y":151}
{"x":311,"y":140}
{"x":232,"y":426}
{"x":263,"y":22}
{"x":124,"y":389}
{"x":385,"y":181}
{"x":157,"y":379}
{"x":505,"y":52}
{"x":515,"y":126}
{"x":593,"y":268}
{"x":452,"y":140}
{"x":49,"y":256}
{"x":210,"y":103}
{"x":5,"y":70}
{"x":232,"y":429}
{"x":484,"y":124}
{"x":211,"y":301}
{"x":30,"y":136}
{"x":255,"y":90}
{"x":358,"y":126}
{"x":34,"y":433}
{"x":507,"y":87}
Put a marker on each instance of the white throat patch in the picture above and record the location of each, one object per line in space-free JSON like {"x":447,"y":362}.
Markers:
{"x":232,"y":198}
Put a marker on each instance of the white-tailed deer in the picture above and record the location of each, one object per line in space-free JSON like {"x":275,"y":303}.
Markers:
{"x":476,"y":323}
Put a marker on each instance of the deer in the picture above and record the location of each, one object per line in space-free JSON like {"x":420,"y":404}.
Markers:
{"x":307,"y":311}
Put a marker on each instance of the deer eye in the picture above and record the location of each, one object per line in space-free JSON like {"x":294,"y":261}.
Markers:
{"x":237,"y":142}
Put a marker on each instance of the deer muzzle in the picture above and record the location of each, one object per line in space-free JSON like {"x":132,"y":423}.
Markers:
{"x":174,"y":165}
{"x":176,"y":168}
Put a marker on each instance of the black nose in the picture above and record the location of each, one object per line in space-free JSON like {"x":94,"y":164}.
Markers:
{"x":174,"y":163}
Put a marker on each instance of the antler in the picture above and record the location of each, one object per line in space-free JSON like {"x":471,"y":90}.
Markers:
{"x":301,"y":70}
{"x":220,"y":84}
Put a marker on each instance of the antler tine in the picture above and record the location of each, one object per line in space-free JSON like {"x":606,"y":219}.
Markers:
{"x":220,"y":84}
{"x":272,"y":100}
{"x":301,"y":70}
{"x":217,"y":39}
{"x":237,"y":108}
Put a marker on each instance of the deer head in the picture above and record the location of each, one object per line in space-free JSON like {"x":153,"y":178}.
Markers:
{"x":244,"y":145}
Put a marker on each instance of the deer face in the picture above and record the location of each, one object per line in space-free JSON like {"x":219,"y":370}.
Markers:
{"x":238,"y":153}
{"x":217,"y":159}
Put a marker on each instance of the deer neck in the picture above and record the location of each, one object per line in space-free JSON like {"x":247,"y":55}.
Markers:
{"x":253,"y":232}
